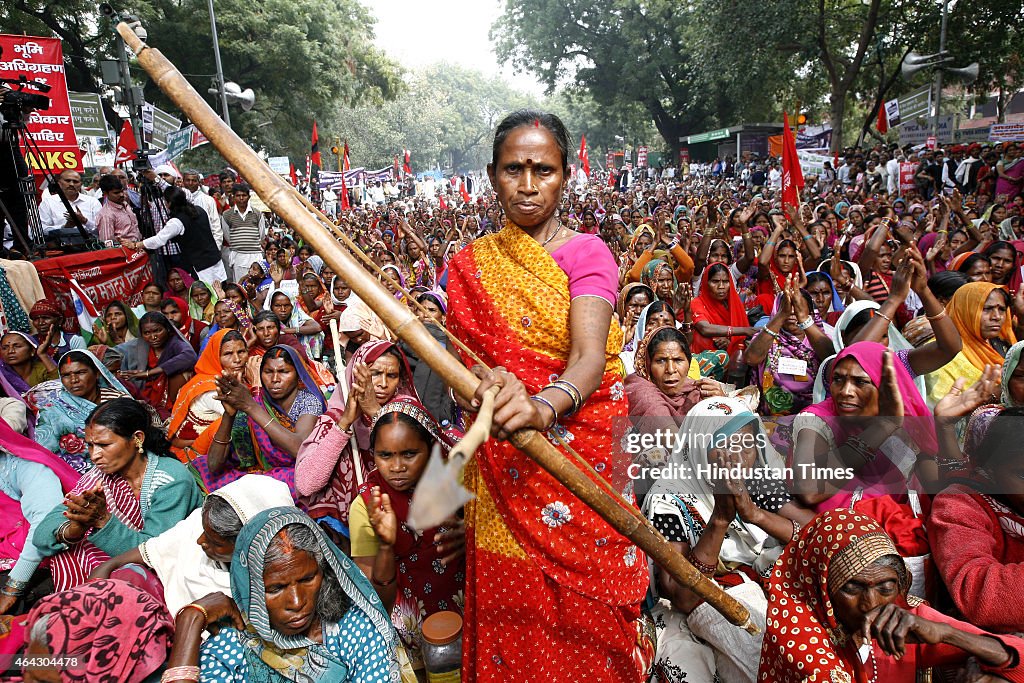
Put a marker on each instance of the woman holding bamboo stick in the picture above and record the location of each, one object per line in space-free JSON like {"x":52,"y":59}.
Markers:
{"x":553,"y":592}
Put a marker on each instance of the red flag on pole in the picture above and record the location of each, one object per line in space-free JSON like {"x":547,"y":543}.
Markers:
{"x":314,"y":148}
{"x":462,"y":191}
{"x":442,"y":204}
{"x":792,"y":176}
{"x":407,"y":164}
{"x":291,"y":174}
{"x":883,"y":120}
{"x":126,"y":146}
{"x":584,"y":156}
{"x":345,"y":205}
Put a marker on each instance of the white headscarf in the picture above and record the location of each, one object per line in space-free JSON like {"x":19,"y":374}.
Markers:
{"x":897,"y":342}
{"x":744,"y":543}
{"x":186,"y":572}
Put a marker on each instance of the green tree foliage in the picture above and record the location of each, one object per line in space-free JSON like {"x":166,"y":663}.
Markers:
{"x":446,"y":115}
{"x":654,"y":53}
{"x":303,"y":58}
{"x":992,"y":34}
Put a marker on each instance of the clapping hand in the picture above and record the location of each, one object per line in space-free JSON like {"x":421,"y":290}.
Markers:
{"x":960,"y":401}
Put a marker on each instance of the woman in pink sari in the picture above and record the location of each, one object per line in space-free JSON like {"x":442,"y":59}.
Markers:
{"x":334,"y":458}
{"x":1010,"y":173}
{"x":875,"y":432}
{"x":32,"y":481}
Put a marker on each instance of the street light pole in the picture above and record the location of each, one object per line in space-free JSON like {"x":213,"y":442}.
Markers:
{"x":129,"y":92}
{"x":220,"y":71}
{"x":938,"y":72}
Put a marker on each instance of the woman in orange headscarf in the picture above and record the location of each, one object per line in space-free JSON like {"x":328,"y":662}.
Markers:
{"x":981,"y":313}
{"x":197,"y":409}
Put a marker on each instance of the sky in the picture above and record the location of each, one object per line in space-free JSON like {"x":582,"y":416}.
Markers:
{"x":417,"y":33}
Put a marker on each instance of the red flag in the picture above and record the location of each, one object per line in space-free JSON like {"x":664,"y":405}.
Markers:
{"x":462,"y":190}
{"x":407,"y":165}
{"x":792,"y":176}
{"x":442,"y":203}
{"x":584,"y":157}
{"x":126,"y":146}
{"x":883,"y":120}
{"x":345,"y":205}
{"x":344,"y":163}
{"x":314,"y":148}
{"x":291,"y":174}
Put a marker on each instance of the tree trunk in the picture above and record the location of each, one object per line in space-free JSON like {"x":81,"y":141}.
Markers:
{"x":837,"y":109}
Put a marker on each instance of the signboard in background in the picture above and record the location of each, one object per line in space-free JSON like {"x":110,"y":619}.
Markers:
{"x":684,"y":155}
{"x":179,"y":141}
{"x":609,"y":161}
{"x":913,"y":105}
{"x":969,"y":135}
{"x":812,"y":163}
{"x":719,"y":134}
{"x":641,"y":157}
{"x":279,"y":165}
{"x":1006,"y":132}
{"x":931,"y":142}
{"x":159,"y":126}
{"x":892,"y":112}
{"x":917,"y":134}
{"x":814,"y":137}
{"x":41,"y":59}
{"x":87,"y":114}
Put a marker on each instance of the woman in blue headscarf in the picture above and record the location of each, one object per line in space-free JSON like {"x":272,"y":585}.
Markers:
{"x":827,"y":300}
{"x":331,"y":627}
{"x":262,"y":430}
{"x":64,"y":405}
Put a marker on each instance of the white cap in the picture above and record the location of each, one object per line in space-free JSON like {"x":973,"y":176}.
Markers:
{"x":166,"y":168}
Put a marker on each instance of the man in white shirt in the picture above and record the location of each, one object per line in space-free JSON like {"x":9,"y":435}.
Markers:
{"x":892,"y":174}
{"x":54,"y":215}
{"x":190,"y":182}
{"x":775,"y":176}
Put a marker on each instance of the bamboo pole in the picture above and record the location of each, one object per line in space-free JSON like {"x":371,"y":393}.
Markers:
{"x":282,"y":198}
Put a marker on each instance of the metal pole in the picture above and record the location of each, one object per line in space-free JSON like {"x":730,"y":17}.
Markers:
{"x":220,"y":70}
{"x":938,"y":70}
{"x":129,"y":93}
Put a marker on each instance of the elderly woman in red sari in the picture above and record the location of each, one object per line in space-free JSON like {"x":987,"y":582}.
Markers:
{"x":535,"y":302}
{"x":838,"y":610}
{"x":262,"y":429}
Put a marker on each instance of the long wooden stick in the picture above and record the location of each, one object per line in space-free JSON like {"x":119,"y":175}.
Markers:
{"x":281,"y":198}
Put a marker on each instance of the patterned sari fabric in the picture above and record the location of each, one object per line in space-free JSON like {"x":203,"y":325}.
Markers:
{"x":552,"y":590}
{"x":360,"y":647}
{"x":117,"y":631}
{"x":804,"y":640}
{"x":425,"y":584}
{"x":252,"y":449}
{"x":62,"y":415}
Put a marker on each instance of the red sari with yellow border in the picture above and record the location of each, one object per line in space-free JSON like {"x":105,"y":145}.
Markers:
{"x":552,"y":591}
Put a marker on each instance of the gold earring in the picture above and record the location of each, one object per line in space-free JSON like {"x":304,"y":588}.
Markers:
{"x":138,"y":444}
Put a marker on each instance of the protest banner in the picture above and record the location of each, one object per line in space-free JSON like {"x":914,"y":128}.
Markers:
{"x":52,"y":129}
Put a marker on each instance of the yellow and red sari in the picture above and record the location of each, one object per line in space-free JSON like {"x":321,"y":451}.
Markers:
{"x":552,"y":591}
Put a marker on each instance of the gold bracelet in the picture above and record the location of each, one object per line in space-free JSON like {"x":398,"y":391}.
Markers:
{"x":938,"y":316}
{"x":268,"y":422}
{"x":879,"y":313}
{"x":216,"y":440}
{"x":193,"y":605}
